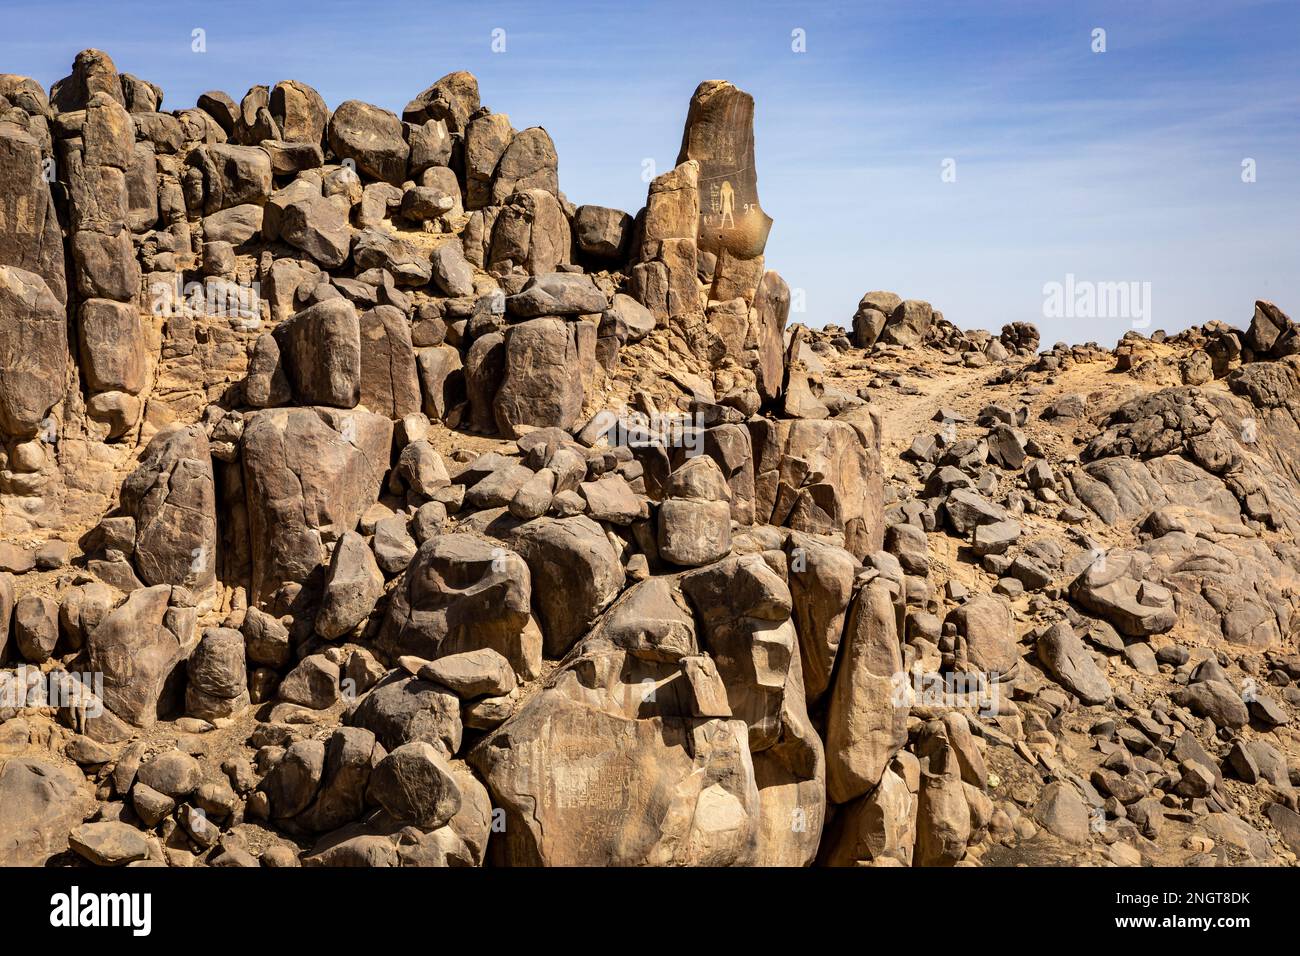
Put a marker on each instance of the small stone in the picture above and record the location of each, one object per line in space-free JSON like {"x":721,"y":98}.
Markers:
{"x":151,"y":806}
{"x":172,"y":772}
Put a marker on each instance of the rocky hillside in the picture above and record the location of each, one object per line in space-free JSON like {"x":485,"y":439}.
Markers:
{"x":364,"y":501}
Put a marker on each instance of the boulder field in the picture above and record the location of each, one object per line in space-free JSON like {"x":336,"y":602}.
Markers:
{"x":365,"y":502}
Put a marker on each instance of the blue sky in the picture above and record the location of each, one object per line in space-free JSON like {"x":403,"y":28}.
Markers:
{"x":1122,"y":166}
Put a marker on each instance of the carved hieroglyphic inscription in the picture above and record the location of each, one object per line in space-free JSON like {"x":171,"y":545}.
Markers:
{"x":719,"y":135}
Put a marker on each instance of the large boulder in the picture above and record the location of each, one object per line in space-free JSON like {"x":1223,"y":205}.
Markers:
{"x":389,"y":382}
{"x":791,"y":779}
{"x":1116,"y":586}
{"x":93,"y":71}
{"x":1216,"y":699}
{"x":584,"y":787}
{"x":36,"y":627}
{"x":631,"y":754}
{"x":1233,"y":588}
{"x":986,"y":624}
{"x":172,"y":497}
{"x":557,"y":293}
{"x":113,"y":346}
{"x":732,"y":449}
{"x":484,"y":366}
{"x":879,"y":828}
{"x":323,"y":346}
{"x":372,"y":138}
{"x":40,"y":802}
{"x":309,"y":474}
{"x":353,"y":586}
{"x":771,"y":312}
{"x":402,"y":709}
{"x":867,"y":721}
{"x":909,"y":324}
{"x":694,"y":520}
{"x":378,"y":249}
{"x":625,"y":321}
{"x":431,"y":148}
{"x":232,"y":175}
{"x":943,"y":813}
{"x":106,"y":266}
{"x":575,"y":574}
{"x":531,"y":232}
{"x":461,"y":593}
{"x":672,"y":209}
{"x":319,"y":227}
{"x":966,"y":509}
{"x":31,"y":240}
{"x":33,"y":351}
{"x":416,"y":785}
{"x":546,"y":364}
{"x":1066,"y":658}
{"x":235,"y":226}
{"x":450,"y":270}
{"x":602,"y":232}
{"x":652,"y":621}
{"x":218,"y":675}
{"x":442,"y":379}
{"x":743,"y":608}
{"x":821,"y":587}
{"x":1269,"y":327}
{"x":1063,"y":813}
{"x":136,"y":654}
{"x":719,"y":135}
{"x":453,"y":99}
{"x":529,"y":162}
{"x":292,"y":784}
{"x":618,"y":761}
{"x":486,"y":138}
{"x":868,"y":323}
{"x":299,"y":112}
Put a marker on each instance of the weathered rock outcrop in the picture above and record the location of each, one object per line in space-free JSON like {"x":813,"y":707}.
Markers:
{"x":365,"y":501}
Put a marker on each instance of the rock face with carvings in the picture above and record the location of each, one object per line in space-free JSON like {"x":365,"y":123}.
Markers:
{"x":700,"y":268}
{"x":440,"y":521}
{"x":719,"y":136}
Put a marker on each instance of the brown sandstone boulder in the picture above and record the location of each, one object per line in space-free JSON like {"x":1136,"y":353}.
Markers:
{"x":461,"y":593}
{"x":172,"y":497}
{"x":40,"y":802}
{"x":719,"y":135}
{"x":31,"y":241}
{"x":822,"y":477}
{"x":33,"y":351}
{"x":546,"y":361}
{"x":867,"y":721}
{"x":309,"y":474}
{"x":322,"y":345}
{"x":372,"y":138}
{"x":389,"y":383}
{"x":136,"y":654}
